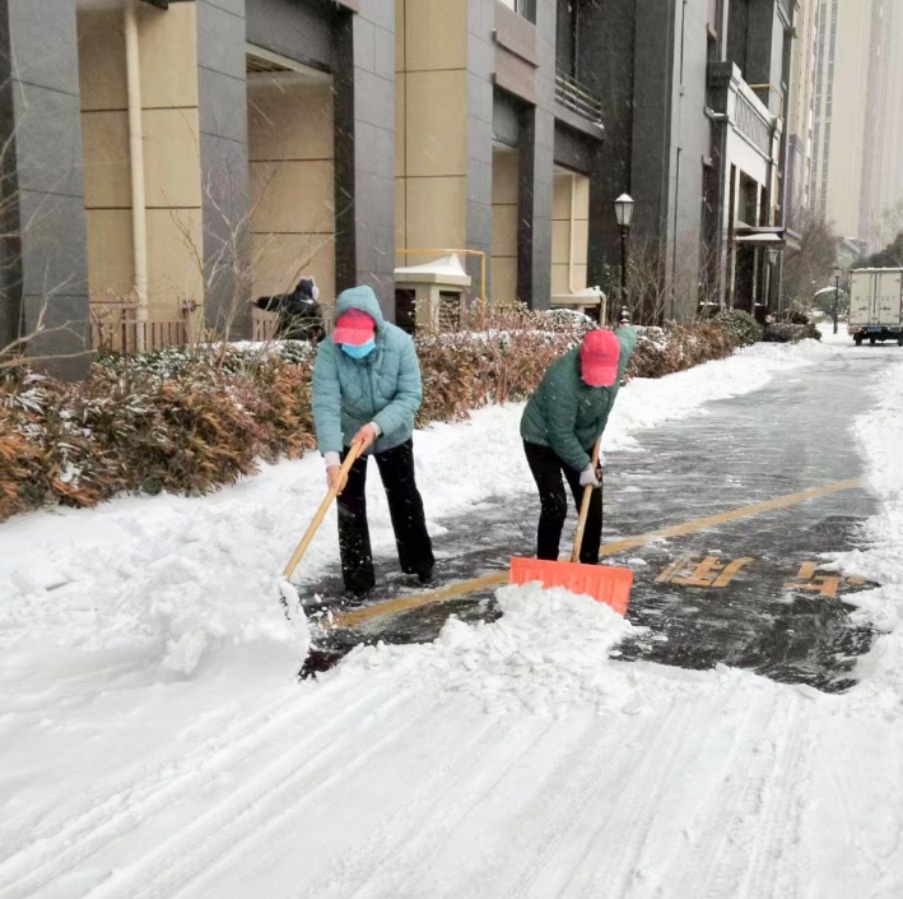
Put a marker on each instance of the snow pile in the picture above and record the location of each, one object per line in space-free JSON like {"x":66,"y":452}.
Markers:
{"x":547,"y":655}
{"x":880,"y":432}
{"x":179,"y":575}
{"x":645,"y":403}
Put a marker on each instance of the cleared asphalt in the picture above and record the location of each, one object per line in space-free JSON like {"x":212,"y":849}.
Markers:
{"x":750,"y":593}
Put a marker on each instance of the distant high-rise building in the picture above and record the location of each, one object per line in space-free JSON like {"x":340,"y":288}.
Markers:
{"x":801,"y":115}
{"x":858,"y":177}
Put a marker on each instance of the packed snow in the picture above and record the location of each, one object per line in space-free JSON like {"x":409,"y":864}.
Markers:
{"x":154,"y":741}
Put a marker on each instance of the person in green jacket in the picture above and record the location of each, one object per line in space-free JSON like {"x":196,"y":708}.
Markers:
{"x":367,"y":389}
{"x":562,"y":420}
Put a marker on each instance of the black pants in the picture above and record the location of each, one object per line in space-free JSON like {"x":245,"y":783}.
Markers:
{"x":415,"y":551}
{"x":547,"y":468}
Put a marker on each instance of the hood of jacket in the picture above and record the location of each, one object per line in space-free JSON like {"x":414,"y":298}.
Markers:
{"x":362,"y":298}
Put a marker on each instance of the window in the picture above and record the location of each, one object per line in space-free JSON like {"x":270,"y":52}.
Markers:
{"x":566,"y":38}
{"x":525,"y":8}
{"x":406,"y":309}
{"x":749,"y":200}
{"x":449,"y":310}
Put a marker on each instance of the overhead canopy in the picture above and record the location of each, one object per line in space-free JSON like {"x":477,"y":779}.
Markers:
{"x":587,"y":293}
{"x":763,"y":235}
{"x":818,"y":293}
{"x":446,"y":270}
{"x":588,"y":297}
{"x":773,"y":240}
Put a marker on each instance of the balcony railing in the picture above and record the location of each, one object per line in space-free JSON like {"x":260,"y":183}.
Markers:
{"x":574,"y":96}
{"x":751,"y":124}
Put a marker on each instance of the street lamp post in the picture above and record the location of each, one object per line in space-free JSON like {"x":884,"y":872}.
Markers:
{"x":834,"y":307}
{"x":624,"y":213}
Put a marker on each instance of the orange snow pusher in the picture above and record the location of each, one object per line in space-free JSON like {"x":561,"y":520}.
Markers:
{"x":604,"y":583}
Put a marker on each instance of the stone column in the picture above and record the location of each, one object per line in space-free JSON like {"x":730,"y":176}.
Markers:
{"x":365,"y":149}
{"x":44,"y":273}
{"x":223,"y":102}
{"x":537,"y":170}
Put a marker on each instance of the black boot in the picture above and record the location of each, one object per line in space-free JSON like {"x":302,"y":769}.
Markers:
{"x":426,"y":576}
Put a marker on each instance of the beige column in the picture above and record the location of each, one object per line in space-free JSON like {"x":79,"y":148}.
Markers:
{"x":136,"y":164}
{"x":505,"y":174}
{"x":291,"y":148}
{"x":431,"y":125}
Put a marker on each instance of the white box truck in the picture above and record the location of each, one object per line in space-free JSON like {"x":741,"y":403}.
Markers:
{"x":876,"y":305}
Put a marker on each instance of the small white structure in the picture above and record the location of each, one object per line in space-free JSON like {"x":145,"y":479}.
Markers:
{"x":429,"y":294}
{"x":586,"y":301}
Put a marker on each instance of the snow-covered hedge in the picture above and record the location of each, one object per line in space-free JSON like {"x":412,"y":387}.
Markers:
{"x":742,"y":327}
{"x":190,"y":421}
{"x":790,"y":332}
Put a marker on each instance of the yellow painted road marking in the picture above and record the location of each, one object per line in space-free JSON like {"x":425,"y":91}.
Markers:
{"x":712,"y":571}
{"x":827,"y":583}
{"x":465,"y":588}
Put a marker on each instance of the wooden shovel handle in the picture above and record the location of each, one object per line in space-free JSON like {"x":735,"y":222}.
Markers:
{"x":584,"y":506}
{"x":353,"y":453}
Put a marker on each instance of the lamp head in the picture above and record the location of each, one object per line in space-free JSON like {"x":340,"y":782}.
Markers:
{"x":624,"y":210}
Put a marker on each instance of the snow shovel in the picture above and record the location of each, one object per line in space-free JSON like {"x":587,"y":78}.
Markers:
{"x":287,"y":592}
{"x":604,"y":583}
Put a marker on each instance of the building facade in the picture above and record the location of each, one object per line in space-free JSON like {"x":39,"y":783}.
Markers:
{"x":801,"y":120}
{"x":695,"y":122}
{"x":858,"y":180}
{"x":169,"y":160}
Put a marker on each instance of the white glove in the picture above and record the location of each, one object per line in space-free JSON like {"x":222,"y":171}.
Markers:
{"x":589,"y":477}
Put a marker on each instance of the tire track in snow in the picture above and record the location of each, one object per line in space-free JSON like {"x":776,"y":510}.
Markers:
{"x":405,"y":847}
{"x":637,"y":793}
{"x":744,"y":853}
{"x":256,"y":812}
{"x":50,"y":855}
{"x":775,"y":836}
{"x":701,"y":804}
{"x":637,"y":835}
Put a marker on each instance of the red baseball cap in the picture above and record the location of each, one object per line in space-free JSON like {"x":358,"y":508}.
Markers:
{"x":354,"y":327}
{"x":599,"y":355}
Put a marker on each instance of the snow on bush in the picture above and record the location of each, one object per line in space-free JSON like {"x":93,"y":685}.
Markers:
{"x":190,"y":420}
{"x":742,"y":327}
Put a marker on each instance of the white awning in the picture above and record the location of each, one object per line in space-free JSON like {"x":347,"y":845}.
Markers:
{"x":840,"y":290}
{"x":768,"y":239}
{"x":447,"y":271}
{"x":446,"y":265}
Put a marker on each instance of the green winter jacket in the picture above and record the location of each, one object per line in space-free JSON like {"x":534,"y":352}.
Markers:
{"x":565,"y":413}
{"x":384,"y":387}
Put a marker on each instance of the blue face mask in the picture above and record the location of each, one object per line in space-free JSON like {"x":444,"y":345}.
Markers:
{"x":359,"y":352}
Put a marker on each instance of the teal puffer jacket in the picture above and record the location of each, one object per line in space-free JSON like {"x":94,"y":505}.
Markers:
{"x":384,"y":387}
{"x":567,"y":415}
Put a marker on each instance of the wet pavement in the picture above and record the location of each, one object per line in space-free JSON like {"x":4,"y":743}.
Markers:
{"x":749,"y":593}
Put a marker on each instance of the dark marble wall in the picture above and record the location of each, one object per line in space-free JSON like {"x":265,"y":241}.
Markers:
{"x":44,"y":276}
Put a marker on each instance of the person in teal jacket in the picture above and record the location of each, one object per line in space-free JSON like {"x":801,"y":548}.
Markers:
{"x":564,"y":417}
{"x":367,"y":388}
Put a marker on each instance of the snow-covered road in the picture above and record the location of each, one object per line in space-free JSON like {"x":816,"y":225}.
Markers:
{"x":153,"y":741}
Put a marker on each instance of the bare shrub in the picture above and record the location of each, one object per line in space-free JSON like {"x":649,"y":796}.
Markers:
{"x":190,"y":420}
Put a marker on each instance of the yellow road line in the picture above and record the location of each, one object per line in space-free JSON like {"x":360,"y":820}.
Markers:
{"x":464,"y":588}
